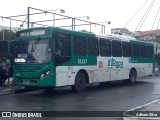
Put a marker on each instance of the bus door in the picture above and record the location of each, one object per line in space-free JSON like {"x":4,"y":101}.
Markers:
{"x":62,"y":54}
{"x":93,"y":52}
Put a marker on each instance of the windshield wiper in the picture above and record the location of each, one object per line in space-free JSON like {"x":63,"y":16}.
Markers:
{"x":34,"y":45}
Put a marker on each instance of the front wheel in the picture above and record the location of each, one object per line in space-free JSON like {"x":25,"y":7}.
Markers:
{"x":132,"y":77}
{"x":80,"y":83}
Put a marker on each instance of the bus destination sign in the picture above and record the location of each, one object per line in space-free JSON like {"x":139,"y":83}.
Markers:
{"x":34,"y":32}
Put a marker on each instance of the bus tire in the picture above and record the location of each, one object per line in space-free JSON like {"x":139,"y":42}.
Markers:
{"x":80,"y":83}
{"x":132,"y":76}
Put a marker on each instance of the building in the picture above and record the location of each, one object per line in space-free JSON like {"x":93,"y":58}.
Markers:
{"x":151,"y":36}
{"x":121,"y":31}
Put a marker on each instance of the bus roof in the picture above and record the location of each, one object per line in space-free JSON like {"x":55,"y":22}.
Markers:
{"x":123,"y":38}
{"x":87,"y":33}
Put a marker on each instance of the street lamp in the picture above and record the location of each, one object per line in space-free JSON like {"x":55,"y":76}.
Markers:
{"x":109,"y":22}
{"x":87,"y":17}
{"x":103,"y":27}
{"x":73,"y":21}
{"x":61,"y":10}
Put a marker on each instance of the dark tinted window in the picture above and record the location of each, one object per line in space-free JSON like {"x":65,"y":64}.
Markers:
{"x":116,"y":49}
{"x":80,"y":46}
{"x":126,"y":49}
{"x":105,"y":47}
{"x":142,"y":51}
{"x":62,"y":44}
{"x":92,"y":47}
{"x":149,"y":51}
{"x":135,"y":50}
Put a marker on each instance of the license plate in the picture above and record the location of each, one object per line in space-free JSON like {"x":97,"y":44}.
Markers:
{"x":25,"y":82}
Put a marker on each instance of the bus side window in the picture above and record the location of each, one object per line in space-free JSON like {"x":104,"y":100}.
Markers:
{"x":105,"y":47}
{"x":135,"y":50}
{"x":56,"y":48}
{"x":149,"y":51}
{"x":116,"y":49}
{"x":142,"y":51}
{"x":126,"y":49}
{"x":80,"y":46}
{"x":62,"y":47}
{"x":92,"y":47}
{"x":62,"y":44}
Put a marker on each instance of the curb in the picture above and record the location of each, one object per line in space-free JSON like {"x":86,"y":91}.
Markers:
{"x":7,"y":91}
{"x":10,"y":90}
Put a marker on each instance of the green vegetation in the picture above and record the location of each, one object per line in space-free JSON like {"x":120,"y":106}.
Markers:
{"x":8,"y":35}
{"x":157,"y":38}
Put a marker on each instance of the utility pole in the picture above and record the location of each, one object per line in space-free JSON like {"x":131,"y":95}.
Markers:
{"x":3,"y":32}
{"x":28,"y":12}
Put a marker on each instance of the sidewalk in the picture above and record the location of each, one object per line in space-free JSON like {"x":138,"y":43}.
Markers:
{"x":7,"y":88}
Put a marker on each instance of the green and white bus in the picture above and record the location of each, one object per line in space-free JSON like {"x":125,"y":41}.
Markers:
{"x":53,"y":57}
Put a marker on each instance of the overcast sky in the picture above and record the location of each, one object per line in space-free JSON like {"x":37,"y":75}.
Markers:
{"x":116,"y":11}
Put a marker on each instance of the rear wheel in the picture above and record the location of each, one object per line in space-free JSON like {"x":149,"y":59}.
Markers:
{"x":132,"y":76}
{"x":80,"y":83}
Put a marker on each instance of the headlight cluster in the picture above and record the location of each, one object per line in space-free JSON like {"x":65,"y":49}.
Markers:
{"x":45,"y":74}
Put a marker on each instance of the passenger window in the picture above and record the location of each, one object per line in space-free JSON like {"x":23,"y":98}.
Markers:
{"x":135,"y":50}
{"x":80,"y":46}
{"x":92,"y":47}
{"x":126,"y":49}
{"x":62,"y":44}
{"x":62,"y":47}
{"x":149,"y":51}
{"x":116,"y":49}
{"x":105,"y":47}
{"x":142,"y":51}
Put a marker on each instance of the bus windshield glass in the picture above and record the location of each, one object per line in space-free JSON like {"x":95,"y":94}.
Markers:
{"x":31,"y":51}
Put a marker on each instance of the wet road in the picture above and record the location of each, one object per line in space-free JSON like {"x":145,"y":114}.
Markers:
{"x":115,"y":96}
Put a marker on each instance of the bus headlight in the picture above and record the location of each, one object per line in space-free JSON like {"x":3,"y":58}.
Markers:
{"x":45,"y":74}
{"x":48,"y":72}
{"x":42,"y":76}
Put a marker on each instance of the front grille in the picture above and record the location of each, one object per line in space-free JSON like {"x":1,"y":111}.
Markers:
{"x":37,"y":78}
{"x":27,"y":82}
{"x":26,"y":69}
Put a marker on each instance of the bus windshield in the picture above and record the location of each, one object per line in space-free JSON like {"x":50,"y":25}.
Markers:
{"x":31,"y":51}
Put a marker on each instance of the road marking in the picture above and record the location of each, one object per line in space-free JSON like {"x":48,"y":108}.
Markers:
{"x":143,"y":105}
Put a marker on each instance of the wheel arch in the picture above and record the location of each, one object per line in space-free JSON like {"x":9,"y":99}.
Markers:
{"x":85,"y":74}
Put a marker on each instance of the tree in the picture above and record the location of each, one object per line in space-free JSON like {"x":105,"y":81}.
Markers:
{"x":157,"y":38}
{"x":7,"y":34}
